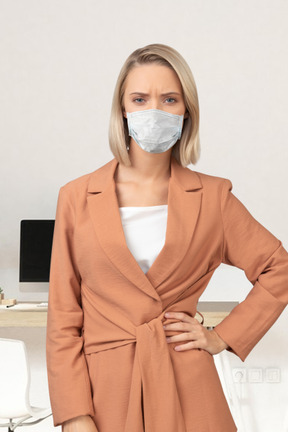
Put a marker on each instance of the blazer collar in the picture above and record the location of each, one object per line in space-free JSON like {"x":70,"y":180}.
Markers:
{"x":184,"y":202}
{"x":187,"y":180}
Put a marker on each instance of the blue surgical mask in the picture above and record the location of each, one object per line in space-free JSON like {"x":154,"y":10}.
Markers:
{"x":155,"y":131}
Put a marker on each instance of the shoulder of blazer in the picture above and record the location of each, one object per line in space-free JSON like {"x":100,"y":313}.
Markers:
{"x":95,"y":178}
{"x":191,"y":180}
{"x":211,"y":182}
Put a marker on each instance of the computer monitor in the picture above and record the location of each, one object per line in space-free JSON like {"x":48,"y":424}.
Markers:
{"x":35,"y":254}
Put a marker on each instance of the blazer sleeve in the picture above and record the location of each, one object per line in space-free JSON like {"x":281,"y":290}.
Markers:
{"x":252,"y":248}
{"x":69,"y":384}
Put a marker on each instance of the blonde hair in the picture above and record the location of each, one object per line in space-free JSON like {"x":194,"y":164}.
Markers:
{"x":187,"y":149}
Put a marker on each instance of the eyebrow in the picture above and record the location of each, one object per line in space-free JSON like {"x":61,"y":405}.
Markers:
{"x":163,"y":94}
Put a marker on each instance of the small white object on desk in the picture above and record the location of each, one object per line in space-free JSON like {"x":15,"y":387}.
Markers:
{"x":28,"y":306}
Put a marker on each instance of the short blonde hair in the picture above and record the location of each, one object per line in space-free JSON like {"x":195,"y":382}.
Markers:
{"x":187,"y":149}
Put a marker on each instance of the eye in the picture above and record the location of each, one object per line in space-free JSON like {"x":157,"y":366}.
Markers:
{"x":170,"y":100}
{"x":138,"y":100}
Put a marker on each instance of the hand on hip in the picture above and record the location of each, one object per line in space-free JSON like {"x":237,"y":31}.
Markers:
{"x":194,"y":334}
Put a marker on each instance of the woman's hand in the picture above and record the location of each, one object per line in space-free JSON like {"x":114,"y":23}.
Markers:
{"x":80,"y":424}
{"x":194,"y":334}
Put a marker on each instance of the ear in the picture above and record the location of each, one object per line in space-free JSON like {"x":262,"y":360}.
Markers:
{"x":124,"y":113}
{"x":186,"y":115}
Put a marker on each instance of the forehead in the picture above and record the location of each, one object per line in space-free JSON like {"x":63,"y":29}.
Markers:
{"x":148,"y":76}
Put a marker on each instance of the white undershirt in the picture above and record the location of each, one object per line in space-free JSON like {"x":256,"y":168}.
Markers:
{"x":145,"y":230}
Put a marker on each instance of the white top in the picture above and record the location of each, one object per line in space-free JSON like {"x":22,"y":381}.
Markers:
{"x":145,"y":231}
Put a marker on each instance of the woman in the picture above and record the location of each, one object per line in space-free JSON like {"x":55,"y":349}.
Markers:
{"x":135,"y":245}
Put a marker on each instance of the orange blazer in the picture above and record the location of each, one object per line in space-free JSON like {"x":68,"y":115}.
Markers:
{"x":107,"y":354}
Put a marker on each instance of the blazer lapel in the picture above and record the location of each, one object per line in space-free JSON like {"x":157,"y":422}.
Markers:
{"x":104,"y":211}
{"x":184,"y":201}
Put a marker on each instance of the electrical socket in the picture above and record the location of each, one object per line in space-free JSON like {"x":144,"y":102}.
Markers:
{"x":239,"y":375}
{"x":272,"y":375}
{"x":255,"y":375}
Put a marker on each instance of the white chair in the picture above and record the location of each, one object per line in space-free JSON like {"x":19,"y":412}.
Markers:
{"x":286,"y":422}
{"x":15,"y":407}
{"x":223,"y":366}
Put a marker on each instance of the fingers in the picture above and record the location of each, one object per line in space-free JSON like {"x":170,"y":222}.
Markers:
{"x":179,"y":326}
{"x":188,"y":346}
{"x":182,"y":316}
{"x":191,"y":331}
{"x":198,"y":339}
{"x":185,"y":322}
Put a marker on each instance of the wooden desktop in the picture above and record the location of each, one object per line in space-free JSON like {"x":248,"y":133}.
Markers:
{"x":31,"y":315}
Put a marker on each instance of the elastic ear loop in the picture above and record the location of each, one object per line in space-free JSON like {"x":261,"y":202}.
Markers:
{"x":202,"y":317}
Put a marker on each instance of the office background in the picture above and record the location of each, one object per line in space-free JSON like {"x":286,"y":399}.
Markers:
{"x":59,"y":64}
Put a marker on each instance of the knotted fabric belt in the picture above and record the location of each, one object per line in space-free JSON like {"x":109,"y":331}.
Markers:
{"x":154,"y":404}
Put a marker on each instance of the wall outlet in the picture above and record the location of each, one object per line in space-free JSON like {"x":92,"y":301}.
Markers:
{"x":255,"y":375}
{"x":272,"y":375}
{"x":239,"y":375}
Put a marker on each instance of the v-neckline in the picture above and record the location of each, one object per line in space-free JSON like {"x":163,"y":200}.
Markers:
{"x":123,"y":233}
{"x":183,"y":206}
{"x":146,"y":243}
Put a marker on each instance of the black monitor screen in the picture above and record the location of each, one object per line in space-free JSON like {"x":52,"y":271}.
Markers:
{"x":35,"y":250}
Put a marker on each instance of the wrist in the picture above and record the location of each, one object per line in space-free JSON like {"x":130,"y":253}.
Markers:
{"x":83,"y":419}
{"x":222,"y":345}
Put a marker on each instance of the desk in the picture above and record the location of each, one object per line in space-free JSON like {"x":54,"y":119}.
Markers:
{"x":31,"y":323}
{"x":213,"y":312}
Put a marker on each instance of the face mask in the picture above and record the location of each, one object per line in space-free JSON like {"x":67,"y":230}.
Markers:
{"x":155,"y":131}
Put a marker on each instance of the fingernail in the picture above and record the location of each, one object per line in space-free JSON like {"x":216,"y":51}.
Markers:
{"x":167,"y":314}
{"x":164,"y":326}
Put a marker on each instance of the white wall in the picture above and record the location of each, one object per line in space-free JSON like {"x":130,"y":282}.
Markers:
{"x":59,"y":63}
